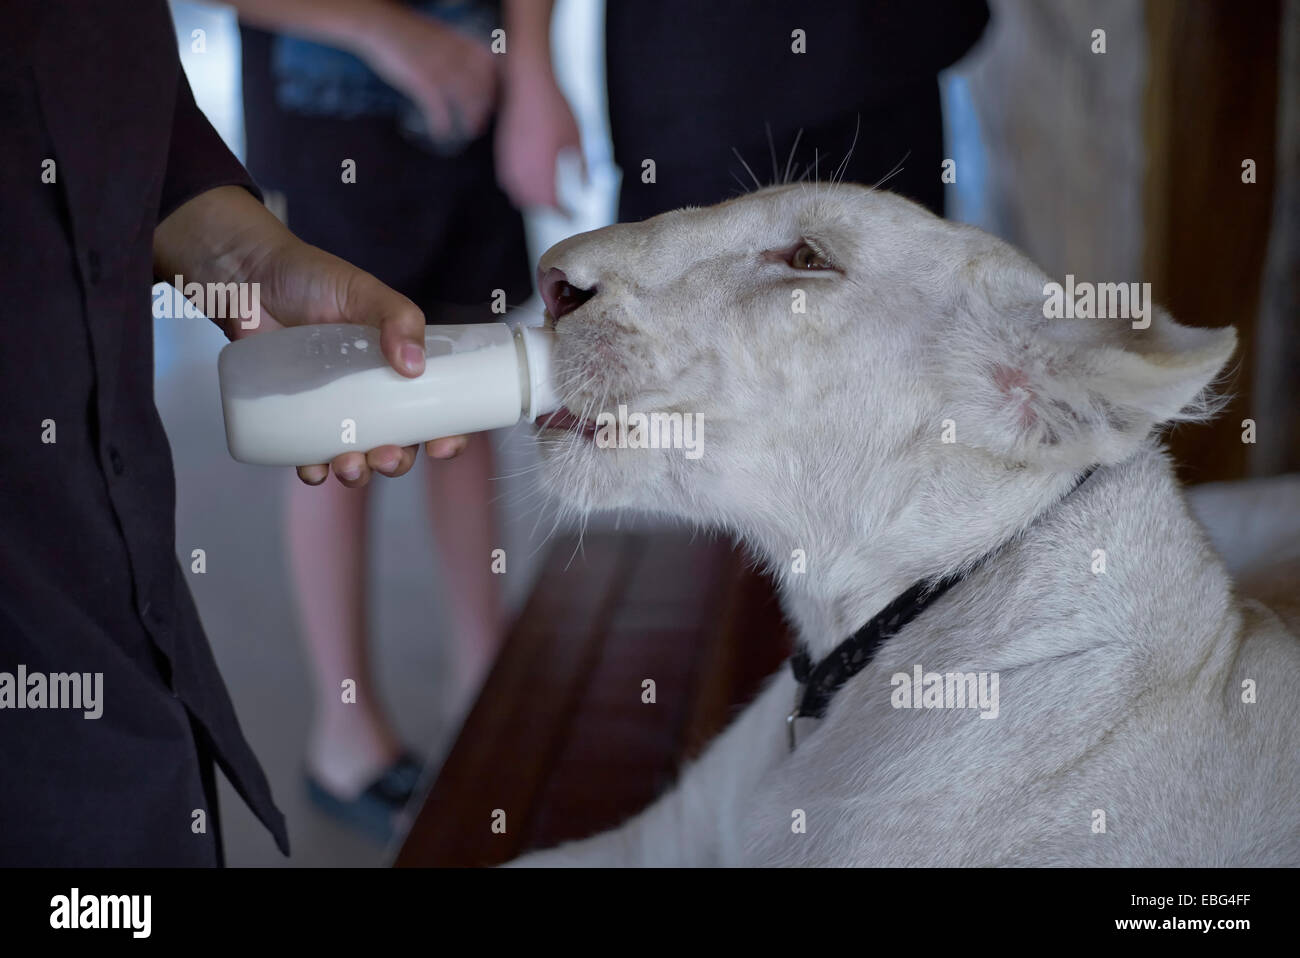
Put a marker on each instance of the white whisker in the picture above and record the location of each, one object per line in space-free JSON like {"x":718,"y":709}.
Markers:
{"x":757,"y":185}
{"x":790,"y":159}
{"x":898,"y":168}
{"x":843,"y":168}
{"x":771,"y":146}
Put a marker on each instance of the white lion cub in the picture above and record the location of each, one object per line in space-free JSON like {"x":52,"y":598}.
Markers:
{"x":885,"y":398}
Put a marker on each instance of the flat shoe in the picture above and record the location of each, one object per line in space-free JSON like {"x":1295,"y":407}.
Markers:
{"x":376,"y":810}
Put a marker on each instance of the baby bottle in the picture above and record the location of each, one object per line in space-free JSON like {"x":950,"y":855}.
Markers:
{"x":305,"y":394}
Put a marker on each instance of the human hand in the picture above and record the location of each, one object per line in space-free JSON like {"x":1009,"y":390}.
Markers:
{"x":449,"y":76}
{"x":302,"y":285}
{"x":225,"y":235}
{"x":534,"y":125}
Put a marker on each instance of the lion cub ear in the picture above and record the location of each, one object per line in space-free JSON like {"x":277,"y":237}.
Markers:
{"x":1069,"y":393}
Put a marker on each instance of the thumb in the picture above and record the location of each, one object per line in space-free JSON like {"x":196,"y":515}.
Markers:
{"x":399,"y":321}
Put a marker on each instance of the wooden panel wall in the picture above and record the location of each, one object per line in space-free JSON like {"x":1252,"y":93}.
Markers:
{"x":1211,"y":102}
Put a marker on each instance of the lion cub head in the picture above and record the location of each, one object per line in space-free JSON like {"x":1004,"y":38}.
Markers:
{"x":842,"y":360}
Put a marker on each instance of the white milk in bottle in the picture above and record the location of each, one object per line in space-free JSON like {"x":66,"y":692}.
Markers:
{"x":305,"y":394}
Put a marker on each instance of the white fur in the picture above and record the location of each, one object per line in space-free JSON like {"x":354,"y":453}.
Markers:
{"x":1120,"y":692}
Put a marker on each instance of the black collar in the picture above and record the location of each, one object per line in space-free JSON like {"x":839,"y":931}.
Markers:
{"x":851,"y":656}
{"x":819,"y":683}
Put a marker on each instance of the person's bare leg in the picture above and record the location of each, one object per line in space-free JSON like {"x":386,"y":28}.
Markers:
{"x":350,"y":744}
{"x":460,"y":492}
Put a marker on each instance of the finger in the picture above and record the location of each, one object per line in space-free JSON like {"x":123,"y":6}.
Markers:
{"x":400,"y":322}
{"x":436,"y":115}
{"x":391,"y":461}
{"x":448,"y":447}
{"x":533,"y":189}
{"x":351,"y":469}
{"x":314,"y":475}
{"x":461,"y":121}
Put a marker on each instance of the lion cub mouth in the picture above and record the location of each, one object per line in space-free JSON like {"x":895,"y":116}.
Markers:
{"x":563,"y":420}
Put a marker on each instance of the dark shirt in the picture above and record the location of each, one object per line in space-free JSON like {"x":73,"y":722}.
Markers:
{"x":89,"y":580}
{"x":690,"y":81}
{"x":426,"y":218}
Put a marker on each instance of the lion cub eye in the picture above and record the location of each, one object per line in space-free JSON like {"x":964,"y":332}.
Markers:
{"x":807,"y":256}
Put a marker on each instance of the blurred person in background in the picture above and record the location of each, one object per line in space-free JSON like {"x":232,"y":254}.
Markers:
{"x":450,"y":141}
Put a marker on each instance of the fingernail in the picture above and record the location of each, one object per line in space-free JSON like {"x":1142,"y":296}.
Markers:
{"x":350,"y":472}
{"x":412,"y":357}
{"x":388,"y":465}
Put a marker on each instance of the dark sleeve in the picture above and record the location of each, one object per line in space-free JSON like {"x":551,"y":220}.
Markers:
{"x":197,"y":159}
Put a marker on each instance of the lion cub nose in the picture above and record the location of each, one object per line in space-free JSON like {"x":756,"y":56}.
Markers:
{"x":561,"y":296}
